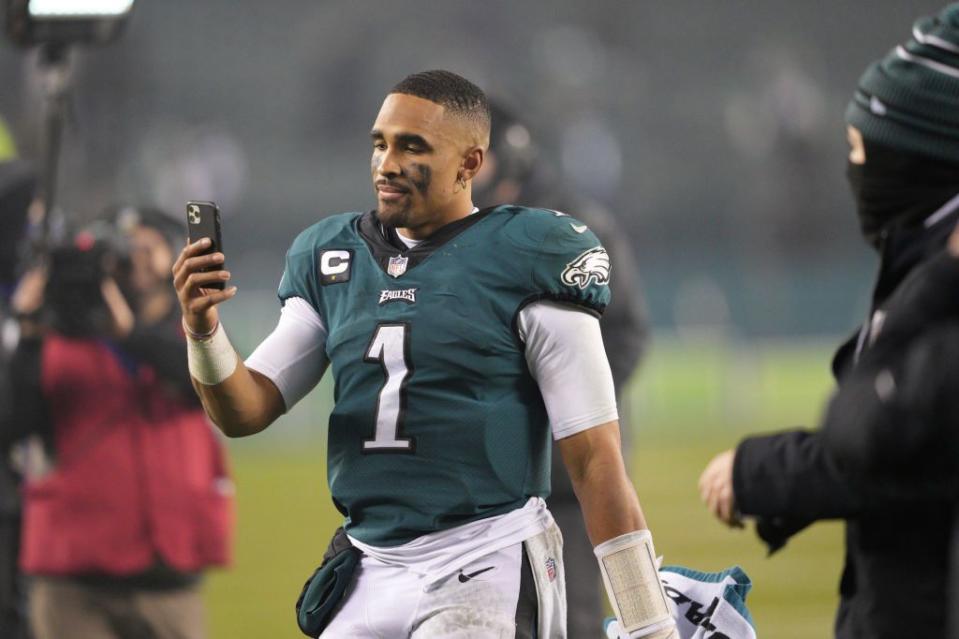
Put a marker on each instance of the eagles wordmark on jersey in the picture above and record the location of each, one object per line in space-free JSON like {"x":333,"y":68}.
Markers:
{"x":437,"y":420}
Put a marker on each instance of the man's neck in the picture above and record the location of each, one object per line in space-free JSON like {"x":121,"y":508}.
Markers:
{"x":419,"y":234}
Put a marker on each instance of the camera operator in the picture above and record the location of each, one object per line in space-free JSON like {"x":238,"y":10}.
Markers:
{"x":132,"y":500}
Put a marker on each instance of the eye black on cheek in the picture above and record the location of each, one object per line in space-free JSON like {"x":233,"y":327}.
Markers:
{"x":421,"y":175}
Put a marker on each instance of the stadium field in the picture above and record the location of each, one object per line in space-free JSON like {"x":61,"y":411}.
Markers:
{"x":692,"y":400}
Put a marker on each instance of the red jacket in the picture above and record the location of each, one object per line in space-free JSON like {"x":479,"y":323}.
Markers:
{"x":140,"y":476}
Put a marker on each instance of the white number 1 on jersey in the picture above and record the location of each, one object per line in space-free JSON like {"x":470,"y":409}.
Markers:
{"x":390,"y":349}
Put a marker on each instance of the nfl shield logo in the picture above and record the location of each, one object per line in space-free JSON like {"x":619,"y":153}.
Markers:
{"x":397,"y":265}
{"x":551,"y":568}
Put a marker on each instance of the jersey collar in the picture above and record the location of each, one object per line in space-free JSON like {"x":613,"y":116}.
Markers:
{"x":384,"y":243}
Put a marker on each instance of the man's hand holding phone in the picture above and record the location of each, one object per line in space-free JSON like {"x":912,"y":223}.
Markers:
{"x":198,"y":274}
{"x":193,"y":282}
{"x":238,"y":400}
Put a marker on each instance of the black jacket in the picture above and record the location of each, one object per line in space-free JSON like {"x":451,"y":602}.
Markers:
{"x":895,"y":424}
{"x":899,"y":525}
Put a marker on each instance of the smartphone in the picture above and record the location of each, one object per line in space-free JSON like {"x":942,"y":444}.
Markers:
{"x":203,"y":220}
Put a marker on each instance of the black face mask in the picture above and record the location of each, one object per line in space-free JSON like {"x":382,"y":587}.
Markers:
{"x":895,"y":188}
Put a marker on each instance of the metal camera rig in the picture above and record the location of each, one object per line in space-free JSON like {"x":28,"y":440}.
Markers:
{"x":54,"y":27}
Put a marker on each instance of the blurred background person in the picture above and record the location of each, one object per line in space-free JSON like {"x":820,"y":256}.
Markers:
{"x":17,"y":184}
{"x":904,"y":173}
{"x":131,"y":500}
{"x":515,"y":171}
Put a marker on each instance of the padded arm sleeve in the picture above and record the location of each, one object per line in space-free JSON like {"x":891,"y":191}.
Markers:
{"x":293,"y":356}
{"x":564,"y":351}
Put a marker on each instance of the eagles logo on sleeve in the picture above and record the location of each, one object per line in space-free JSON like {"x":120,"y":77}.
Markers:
{"x":590,"y":265}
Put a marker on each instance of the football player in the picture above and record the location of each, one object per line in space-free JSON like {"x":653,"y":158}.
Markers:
{"x":460,"y":341}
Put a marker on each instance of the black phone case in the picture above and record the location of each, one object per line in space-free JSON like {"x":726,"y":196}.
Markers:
{"x":203,"y":220}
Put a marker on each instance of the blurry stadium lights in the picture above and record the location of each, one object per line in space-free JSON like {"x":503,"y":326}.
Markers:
{"x":72,"y":9}
{"x":66,"y":22}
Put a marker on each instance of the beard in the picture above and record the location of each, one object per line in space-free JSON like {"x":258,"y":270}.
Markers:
{"x":397,"y":216}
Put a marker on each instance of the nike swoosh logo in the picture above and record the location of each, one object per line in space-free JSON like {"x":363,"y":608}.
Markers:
{"x":464,"y":578}
{"x":578,"y":228}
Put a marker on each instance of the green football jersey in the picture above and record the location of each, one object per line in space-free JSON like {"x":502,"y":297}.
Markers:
{"x":437,"y":421}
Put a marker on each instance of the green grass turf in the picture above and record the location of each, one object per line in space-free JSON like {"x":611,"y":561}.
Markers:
{"x":692,"y":401}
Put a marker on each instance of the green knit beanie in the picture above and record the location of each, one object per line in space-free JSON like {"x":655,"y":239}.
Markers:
{"x":909,"y":100}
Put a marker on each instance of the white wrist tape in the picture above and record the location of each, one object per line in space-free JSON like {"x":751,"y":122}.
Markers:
{"x":628,"y":566}
{"x":211,"y":360}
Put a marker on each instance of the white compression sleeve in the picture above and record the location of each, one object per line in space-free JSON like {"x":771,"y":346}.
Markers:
{"x":565,"y":354}
{"x":293,"y":356}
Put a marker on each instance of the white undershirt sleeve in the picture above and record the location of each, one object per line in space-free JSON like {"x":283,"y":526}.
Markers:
{"x":565,"y":354}
{"x":293,"y":356}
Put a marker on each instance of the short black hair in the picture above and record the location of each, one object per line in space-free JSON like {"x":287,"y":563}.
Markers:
{"x":451,"y":91}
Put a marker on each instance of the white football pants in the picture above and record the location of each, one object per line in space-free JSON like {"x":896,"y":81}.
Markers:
{"x":487,"y":599}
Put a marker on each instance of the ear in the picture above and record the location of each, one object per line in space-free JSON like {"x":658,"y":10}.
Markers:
{"x":472,"y":163}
